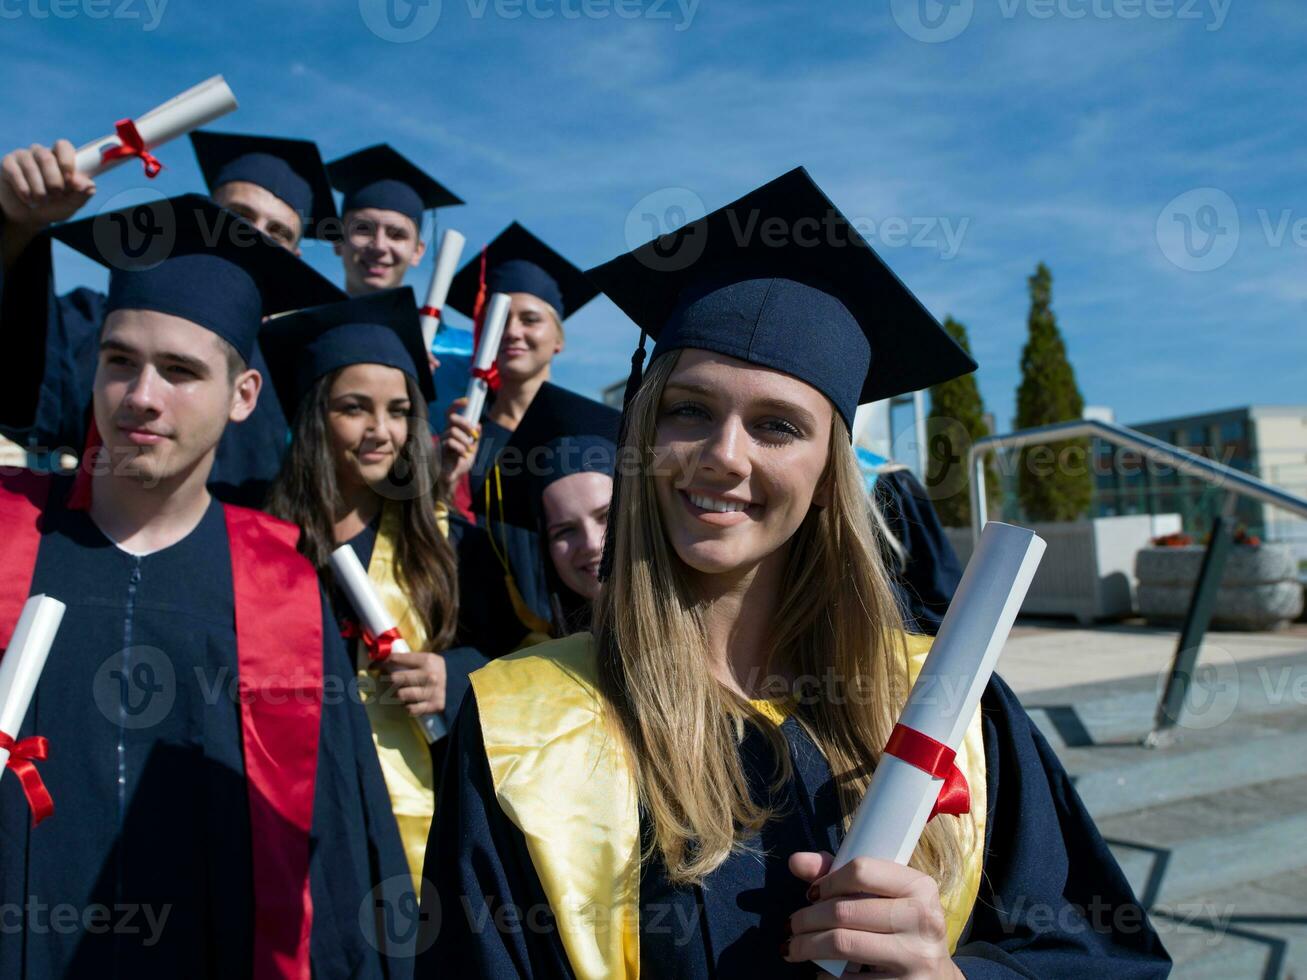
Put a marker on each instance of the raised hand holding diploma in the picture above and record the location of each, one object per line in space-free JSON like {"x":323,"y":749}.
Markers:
{"x":492,"y":333}
{"x":916,"y":777}
{"x":380,"y":633}
{"x":20,"y":669}
{"x":451,"y":249}
{"x":194,"y":108}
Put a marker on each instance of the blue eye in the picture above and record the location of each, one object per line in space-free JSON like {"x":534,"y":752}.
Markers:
{"x":780,"y":432}
{"x":687,"y":410}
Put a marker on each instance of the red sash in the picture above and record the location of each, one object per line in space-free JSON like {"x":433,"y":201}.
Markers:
{"x":279,"y":657}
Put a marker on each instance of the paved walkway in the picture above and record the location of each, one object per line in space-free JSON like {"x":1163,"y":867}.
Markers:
{"x":1044,"y":654}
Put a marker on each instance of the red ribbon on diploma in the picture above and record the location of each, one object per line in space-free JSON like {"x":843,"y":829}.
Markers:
{"x":430,"y":311}
{"x":23,"y":757}
{"x":132,"y":146}
{"x":379,"y":647}
{"x":491,"y":375}
{"x":936,"y":758}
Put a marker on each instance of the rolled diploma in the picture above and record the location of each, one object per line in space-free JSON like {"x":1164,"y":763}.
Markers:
{"x":353,"y":578}
{"x":492,"y":332}
{"x":891,"y":817}
{"x":192,"y":109}
{"x":23,"y":661}
{"x":451,"y":249}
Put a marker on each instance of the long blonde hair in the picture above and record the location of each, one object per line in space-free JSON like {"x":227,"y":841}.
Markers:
{"x":838,"y":620}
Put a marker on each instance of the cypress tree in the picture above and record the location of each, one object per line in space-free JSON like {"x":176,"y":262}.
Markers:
{"x":956,"y":420}
{"x":1054,"y":482}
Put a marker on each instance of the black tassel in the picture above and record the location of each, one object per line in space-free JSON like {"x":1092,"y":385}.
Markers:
{"x":632,"y":386}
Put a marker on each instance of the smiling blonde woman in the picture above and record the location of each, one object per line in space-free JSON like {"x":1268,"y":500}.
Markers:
{"x":662,"y":798}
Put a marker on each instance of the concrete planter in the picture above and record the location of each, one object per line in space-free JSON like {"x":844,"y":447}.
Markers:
{"x":1259,"y":588}
{"x":1088,"y":569}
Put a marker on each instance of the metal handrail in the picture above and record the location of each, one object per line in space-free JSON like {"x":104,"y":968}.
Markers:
{"x":1235,"y":483}
{"x":1154,"y":449}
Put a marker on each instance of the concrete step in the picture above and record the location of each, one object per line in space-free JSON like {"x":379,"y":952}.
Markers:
{"x":1210,"y":829}
{"x":1207,"y":843}
{"x":1254,"y":930}
{"x":1121,"y":711}
{"x":1115,"y":779}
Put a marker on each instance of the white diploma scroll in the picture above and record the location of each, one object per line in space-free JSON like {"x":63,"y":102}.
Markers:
{"x":492,"y":332}
{"x":891,"y":817}
{"x":451,"y":250}
{"x":192,"y":109}
{"x":353,"y":578}
{"x":23,"y":661}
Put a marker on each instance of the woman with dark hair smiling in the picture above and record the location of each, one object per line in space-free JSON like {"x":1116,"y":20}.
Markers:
{"x":663,"y":797}
{"x":361,"y":470}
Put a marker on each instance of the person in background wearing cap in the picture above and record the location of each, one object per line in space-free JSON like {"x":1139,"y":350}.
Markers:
{"x":385,"y":198}
{"x":362,"y":471}
{"x":544,"y":289}
{"x":278,"y":185}
{"x":566,"y":474}
{"x":206,"y":764}
{"x":671,"y":788}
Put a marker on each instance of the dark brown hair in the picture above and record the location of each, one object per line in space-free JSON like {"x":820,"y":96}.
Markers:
{"x":305,"y":493}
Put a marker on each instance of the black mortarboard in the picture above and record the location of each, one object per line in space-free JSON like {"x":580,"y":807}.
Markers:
{"x":290,"y":169}
{"x":562,"y":433}
{"x":780,"y":278}
{"x":518,"y":262}
{"x":187,"y":257}
{"x":379,"y":177}
{"x":379,"y":328}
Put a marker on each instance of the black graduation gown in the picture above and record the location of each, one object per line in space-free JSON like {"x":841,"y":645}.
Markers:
{"x":1044,"y":857}
{"x":487,"y":626}
{"x":148,"y":852}
{"x":52,"y":348}
{"x":516,"y":535}
{"x":925,"y":586}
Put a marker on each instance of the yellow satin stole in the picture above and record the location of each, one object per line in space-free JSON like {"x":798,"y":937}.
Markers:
{"x":401,"y":746}
{"x":561,"y":778}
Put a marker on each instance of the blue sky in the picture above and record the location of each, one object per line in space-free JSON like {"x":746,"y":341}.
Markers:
{"x":1054,"y":130}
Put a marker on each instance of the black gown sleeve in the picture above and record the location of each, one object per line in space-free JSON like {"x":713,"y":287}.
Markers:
{"x":484,"y":911}
{"x":364,"y":909}
{"x":1053,"y":902}
{"x":932,"y":572}
{"x":51,"y":350}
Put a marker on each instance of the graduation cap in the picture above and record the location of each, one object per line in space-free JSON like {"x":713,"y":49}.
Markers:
{"x":781,"y":279}
{"x":379,"y":177}
{"x":379,"y":328}
{"x":562,"y":433}
{"x":291,"y":170}
{"x":519,"y":262}
{"x":187,"y":257}
{"x":569,"y":434}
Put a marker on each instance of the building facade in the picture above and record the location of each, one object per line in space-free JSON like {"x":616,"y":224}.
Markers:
{"x":1267,"y":441}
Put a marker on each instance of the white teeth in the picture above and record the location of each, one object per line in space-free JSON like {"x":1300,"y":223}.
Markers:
{"x":717,"y":506}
